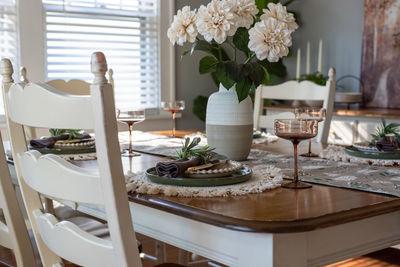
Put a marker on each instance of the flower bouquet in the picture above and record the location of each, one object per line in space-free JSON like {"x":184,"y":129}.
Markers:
{"x":261,"y":30}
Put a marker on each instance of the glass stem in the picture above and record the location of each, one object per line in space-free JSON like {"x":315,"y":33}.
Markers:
{"x":173,"y":124}
{"x":309,"y":146}
{"x":130,"y":137}
{"x":296,"y":174}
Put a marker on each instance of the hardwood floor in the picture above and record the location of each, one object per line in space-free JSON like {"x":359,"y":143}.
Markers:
{"x":389,"y":257}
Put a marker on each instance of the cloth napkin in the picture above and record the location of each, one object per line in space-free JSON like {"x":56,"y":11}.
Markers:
{"x":49,"y":142}
{"x":386,"y":144}
{"x":175,"y":168}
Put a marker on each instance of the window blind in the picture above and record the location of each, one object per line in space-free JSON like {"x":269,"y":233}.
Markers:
{"x":126,"y":31}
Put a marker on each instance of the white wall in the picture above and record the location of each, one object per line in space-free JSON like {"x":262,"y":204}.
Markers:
{"x":338,"y":23}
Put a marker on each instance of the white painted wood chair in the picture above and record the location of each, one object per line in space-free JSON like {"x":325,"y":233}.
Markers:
{"x":39,"y":105}
{"x":293,"y":90}
{"x":13,"y":231}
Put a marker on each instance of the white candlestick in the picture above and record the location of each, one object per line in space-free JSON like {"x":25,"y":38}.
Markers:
{"x":308,"y":58}
{"x":320,"y":57}
{"x":298,"y":63}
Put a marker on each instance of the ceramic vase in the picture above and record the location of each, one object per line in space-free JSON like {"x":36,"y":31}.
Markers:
{"x":229,"y":124}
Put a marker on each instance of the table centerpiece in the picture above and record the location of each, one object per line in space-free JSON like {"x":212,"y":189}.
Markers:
{"x":262,"y":32}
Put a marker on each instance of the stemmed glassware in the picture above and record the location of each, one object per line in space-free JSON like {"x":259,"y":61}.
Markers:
{"x":296,"y":130}
{"x":173,"y":107}
{"x":130,"y":118}
{"x":318,"y":114}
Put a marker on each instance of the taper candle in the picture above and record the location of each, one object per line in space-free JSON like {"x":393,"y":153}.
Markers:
{"x":308,"y":58}
{"x":298,"y":63}
{"x":320,"y":57}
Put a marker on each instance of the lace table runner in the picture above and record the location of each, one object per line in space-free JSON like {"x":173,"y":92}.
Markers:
{"x":338,"y":172}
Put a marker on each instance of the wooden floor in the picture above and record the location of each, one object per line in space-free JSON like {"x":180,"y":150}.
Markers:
{"x":389,"y":257}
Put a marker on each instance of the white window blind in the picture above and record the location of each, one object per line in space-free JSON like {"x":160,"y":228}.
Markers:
{"x":126,"y":31}
{"x":8,"y":38}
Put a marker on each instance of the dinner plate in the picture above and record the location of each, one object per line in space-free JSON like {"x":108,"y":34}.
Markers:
{"x":66,"y":150}
{"x":372,"y":154}
{"x":242,"y":175}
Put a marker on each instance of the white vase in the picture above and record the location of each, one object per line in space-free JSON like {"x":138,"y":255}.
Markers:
{"x":229,"y":124}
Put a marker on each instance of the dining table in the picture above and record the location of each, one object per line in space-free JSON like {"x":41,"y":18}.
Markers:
{"x":279,"y":227}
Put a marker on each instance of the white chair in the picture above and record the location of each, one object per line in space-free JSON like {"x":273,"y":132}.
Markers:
{"x":39,"y":105}
{"x":293,"y":90}
{"x":13,"y":231}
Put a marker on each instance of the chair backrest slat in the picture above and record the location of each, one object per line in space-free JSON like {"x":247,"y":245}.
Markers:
{"x":52,"y":176}
{"x":293,"y":90}
{"x":40,"y":105}
{"x":78,"y":241}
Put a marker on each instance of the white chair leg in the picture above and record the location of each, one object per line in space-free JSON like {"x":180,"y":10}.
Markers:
{"x":161,"y":252}
{"x":183,"y":257}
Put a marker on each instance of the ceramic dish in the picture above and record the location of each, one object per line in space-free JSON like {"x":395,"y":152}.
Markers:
{"x":219,"y":170}
{"x":353,"y":151}
{"x":241,"y":175}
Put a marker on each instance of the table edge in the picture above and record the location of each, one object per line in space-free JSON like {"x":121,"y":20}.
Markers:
{"x":294,"y":226}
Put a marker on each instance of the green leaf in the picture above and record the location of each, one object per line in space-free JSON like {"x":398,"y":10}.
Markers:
{"x":261,"y":4}
{"x":224,"y":74}
{"x":256,"y":73}
{"x":207,"y":64}
{"x":185,"y":53}
{"x":210,"y":48}
{"x":243,"y":89}
{"x":201,"y":45}
{"x":276,"y":68}
{"x":241,"y":40}
{"x":200,"y":107}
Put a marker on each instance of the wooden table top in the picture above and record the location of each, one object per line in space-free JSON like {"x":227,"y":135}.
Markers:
{"x":275,"y":211}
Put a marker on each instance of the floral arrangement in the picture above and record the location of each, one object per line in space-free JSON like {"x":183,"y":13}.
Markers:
{"x":261,"y":29}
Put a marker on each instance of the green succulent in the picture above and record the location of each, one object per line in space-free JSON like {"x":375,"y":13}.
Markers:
{"x":73,"y":134}
{"x":205,"y":153}
{"x":384,"y":129}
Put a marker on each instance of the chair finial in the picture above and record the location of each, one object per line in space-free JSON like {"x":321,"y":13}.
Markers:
{"x":111,"y":77}
{"x":98,"y":66}
{"x":332,"y":74}
{"x":6,"y":70}
{"x":22,"y":72}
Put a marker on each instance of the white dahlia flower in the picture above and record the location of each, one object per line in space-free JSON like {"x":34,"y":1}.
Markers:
{"x":245,"y":10}
{"x":279,"y":12}
{"x":216,"y":21}
{"x":270,"y":39}
{"x":183,"y":28}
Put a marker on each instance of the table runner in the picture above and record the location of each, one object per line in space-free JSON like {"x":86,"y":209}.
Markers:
{"x":344,"y":174}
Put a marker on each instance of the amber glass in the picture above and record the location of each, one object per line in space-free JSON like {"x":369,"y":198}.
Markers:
{"x":173,"y":107}
{"x":130,"y":118}
{"x":318,"y":114}
{"x":296,"y":130}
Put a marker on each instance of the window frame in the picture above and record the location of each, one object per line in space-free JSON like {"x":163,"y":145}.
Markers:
{"x":32,"y":47}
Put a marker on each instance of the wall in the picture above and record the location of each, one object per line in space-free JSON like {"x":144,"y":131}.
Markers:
{"x":338,"y":23}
